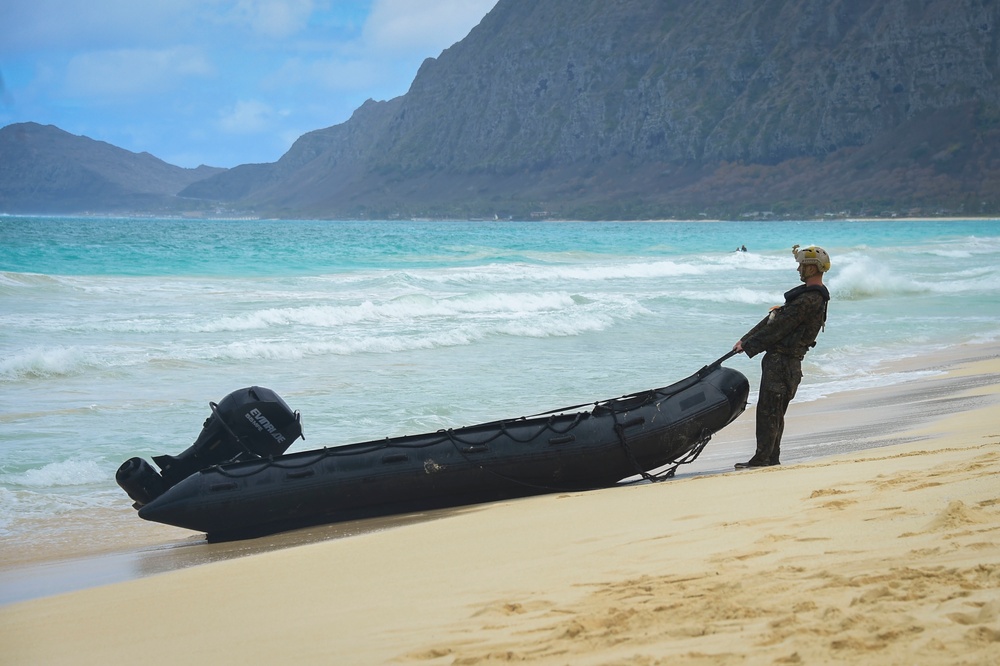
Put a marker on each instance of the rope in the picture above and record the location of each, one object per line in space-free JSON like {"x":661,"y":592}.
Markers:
{"x":689,"y":457}
{"x":516,"y":481}
{"x":620,"y":431}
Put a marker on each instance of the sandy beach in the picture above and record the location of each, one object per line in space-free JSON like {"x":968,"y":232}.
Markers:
{"x":883,"y":548}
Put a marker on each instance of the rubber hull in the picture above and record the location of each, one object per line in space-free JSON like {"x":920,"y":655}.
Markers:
{"x":559,"y":451}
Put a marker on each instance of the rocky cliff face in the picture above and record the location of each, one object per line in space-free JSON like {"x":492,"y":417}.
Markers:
{"x":655,"y":108}
{"x":559,"y":82}
{"x":668,"y":108}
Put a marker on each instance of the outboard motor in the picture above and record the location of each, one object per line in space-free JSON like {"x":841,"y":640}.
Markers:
{"x":249,"y":423}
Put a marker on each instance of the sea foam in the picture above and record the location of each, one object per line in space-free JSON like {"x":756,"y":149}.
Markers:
{"x":58,"y":474}
{"x":39,"y":362}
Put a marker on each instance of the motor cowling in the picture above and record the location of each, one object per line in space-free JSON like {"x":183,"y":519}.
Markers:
{"x":142,"y":483}
{"x":249,"y":423}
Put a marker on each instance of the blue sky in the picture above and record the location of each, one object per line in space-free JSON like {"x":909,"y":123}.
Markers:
{"x":217,"y":82}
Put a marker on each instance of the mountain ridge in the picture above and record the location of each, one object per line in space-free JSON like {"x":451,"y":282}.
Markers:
{"x":605,"y":109}
{"x":598,"y":109}
{"x":44,"y":169}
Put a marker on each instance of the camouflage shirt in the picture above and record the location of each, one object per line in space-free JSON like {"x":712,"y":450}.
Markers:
{"x":790,"y":329}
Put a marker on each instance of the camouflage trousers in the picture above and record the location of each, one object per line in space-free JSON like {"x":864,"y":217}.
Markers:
{"x":780,"y":377}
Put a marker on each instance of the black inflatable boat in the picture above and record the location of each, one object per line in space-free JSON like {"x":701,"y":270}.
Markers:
{"x":236,"y":480}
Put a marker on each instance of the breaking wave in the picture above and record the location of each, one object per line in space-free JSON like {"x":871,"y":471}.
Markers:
{"x":58,"y":475}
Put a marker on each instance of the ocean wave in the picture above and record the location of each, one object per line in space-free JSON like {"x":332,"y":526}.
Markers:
{"x":150,"y":320}
{"x":989,"y":331}
{"x":411,"y":308}
{"x":751,"y":261}
{"x":859,"y":381}
{"x":57,"y":475}
{"x":739,"y":295}
{"x":837,"y":369}
{"x":12,"y":283}
{"x":967,"y":247}
{"x":8,"y":508}
{"x":38,"y":362}
{"x":34,"y":363}
{"x":385,"y":342}
{"x":599,"y":269}
{"x":505,"y":274}
{"x":49,"y":513}
{"x":403,"y":308}
{"x":413,"y":322}
{"x":869,"y":279}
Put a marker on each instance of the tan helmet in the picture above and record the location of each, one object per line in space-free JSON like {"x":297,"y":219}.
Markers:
{"x":812,"y":255}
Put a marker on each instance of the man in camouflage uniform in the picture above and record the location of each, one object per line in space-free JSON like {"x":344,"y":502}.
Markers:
{"x":785,"y":335}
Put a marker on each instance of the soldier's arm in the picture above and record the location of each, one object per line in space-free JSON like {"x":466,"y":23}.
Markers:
{"x":785,"y":320}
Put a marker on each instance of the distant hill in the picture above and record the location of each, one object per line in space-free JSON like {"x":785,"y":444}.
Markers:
{"x":656,"y":109}
{"x":46,"y":170}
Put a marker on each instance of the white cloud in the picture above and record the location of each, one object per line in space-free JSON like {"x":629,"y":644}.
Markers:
{"x":248,"y":117}
{"x":382,"y":60}
{"x":160,"y":68}
{"x":431,"y":25}
{"x":126,"y":72}
{"x":333,"y":74}
{"x":274,"y":19}
{"x":6,"y":99}
{"x":53,"y":25}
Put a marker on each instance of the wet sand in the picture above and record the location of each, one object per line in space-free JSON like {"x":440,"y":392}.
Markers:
{"x":877,"y":540}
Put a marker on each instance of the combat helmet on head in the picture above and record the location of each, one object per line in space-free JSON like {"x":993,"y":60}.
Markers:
{"x":813,"y":255}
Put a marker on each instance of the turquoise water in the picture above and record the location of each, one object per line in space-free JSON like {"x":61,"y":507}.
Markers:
{"x":116,"y":333}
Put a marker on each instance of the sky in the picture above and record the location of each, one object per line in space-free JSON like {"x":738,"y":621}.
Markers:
{"x":216,"y":82}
